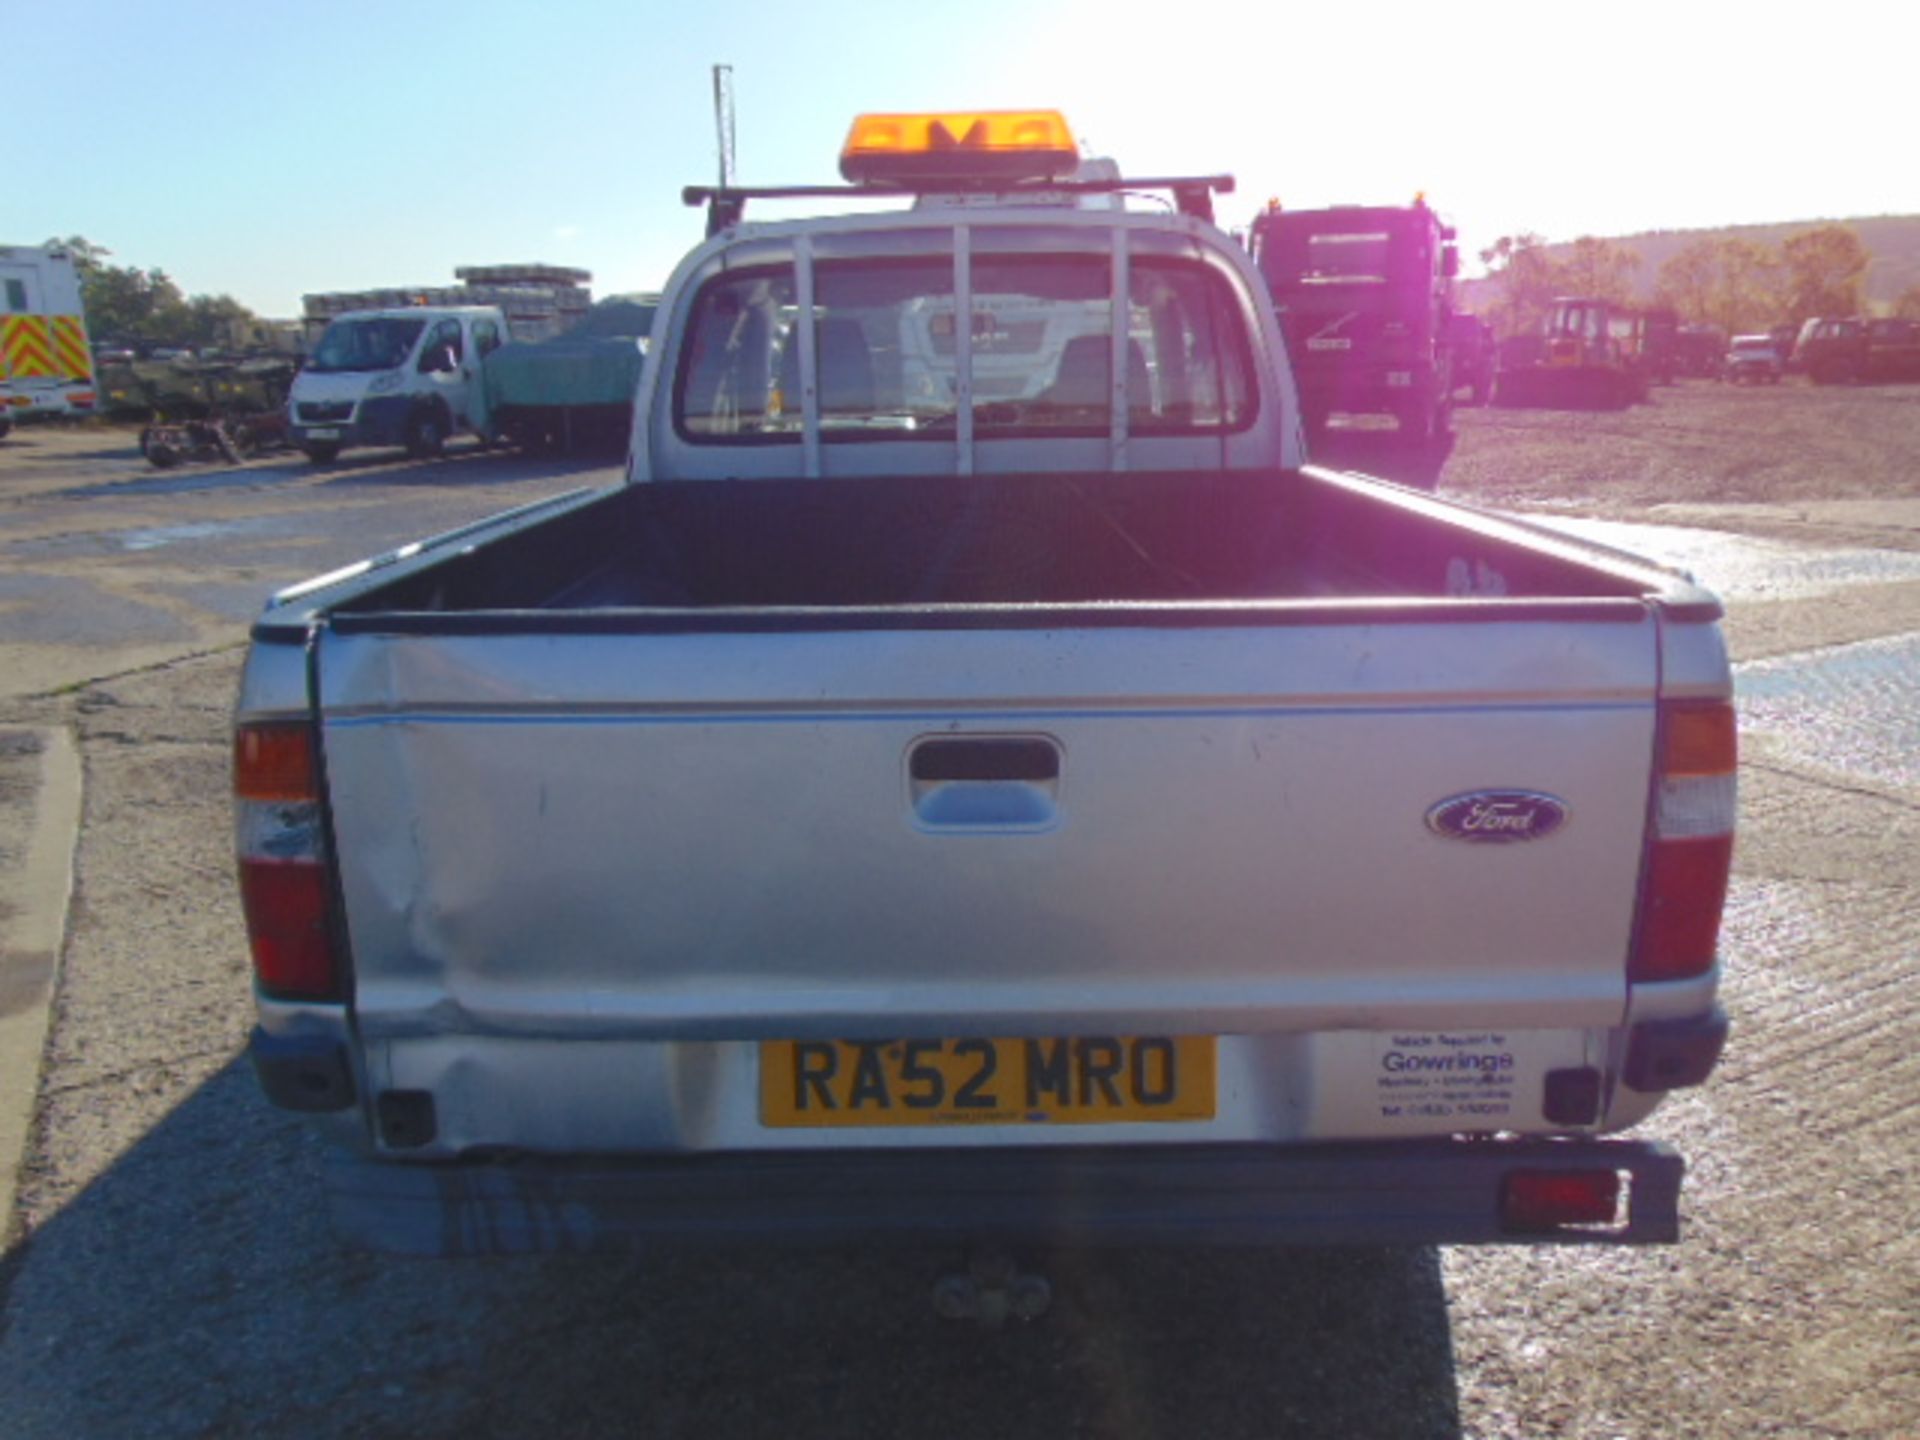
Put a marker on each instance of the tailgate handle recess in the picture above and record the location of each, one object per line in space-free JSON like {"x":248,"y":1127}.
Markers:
{"x":1034,"y":761}
{"x":985,"y":783}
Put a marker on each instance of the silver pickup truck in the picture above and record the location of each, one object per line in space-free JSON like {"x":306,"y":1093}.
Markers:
{"x":976,"y":781}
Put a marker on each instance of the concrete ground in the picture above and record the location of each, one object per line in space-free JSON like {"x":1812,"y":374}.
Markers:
{"x":175,"y":1277}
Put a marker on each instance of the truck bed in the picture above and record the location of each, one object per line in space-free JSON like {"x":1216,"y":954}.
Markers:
{"x":1142,"y":548}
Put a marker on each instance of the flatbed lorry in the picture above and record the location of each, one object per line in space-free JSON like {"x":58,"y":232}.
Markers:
{"x":574,"y":391}
{"x":1065,"y":816}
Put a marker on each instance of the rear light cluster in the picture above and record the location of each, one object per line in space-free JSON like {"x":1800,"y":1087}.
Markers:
{"x":1541,"y":1201}
{"x":283,"y":875}
{"x":1690,"y":849}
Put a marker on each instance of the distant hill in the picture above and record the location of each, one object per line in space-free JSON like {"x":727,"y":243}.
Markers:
{"x":1893,"y":241}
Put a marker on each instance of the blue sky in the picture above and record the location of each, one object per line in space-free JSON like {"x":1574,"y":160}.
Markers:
{"x":267,"y":148}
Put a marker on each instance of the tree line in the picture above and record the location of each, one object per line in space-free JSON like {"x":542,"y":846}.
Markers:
{"x":1735,"y":285}
{"x":126,"y":304}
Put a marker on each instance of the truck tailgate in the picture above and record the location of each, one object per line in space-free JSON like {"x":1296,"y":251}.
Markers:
{"x":725,"y":836}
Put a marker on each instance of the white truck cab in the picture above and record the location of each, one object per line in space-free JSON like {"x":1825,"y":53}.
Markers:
{"x":408,"y":377}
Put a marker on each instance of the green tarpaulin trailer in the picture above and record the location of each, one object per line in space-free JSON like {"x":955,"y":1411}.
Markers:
{"x":576,"y":389}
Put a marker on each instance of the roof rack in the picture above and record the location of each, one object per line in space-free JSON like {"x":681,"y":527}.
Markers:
{"x":726,"y":205}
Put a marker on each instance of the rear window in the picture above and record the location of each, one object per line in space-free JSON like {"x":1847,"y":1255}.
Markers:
{"x":887,"y":351}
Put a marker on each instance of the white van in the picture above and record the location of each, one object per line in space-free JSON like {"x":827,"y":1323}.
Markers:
{"x":407,"y":377}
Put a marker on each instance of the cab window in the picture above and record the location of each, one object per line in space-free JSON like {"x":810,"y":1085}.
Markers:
{"x":886,"y":337}
{"x":486,"y":338}
{"x":444,"y":336}
{"x":725,"y":388}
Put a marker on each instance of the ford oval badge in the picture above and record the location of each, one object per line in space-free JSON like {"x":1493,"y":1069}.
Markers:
{"x":1497,"y":816}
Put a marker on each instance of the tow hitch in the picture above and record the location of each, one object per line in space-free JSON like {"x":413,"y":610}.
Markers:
{"x":992,"y":1288}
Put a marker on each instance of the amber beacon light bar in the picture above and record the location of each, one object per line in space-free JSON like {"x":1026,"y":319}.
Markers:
{"x":1007,"y":152}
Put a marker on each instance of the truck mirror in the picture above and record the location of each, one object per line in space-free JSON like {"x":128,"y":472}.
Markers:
{"x":1449,"y":261}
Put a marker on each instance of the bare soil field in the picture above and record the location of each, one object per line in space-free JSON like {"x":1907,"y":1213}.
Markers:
{"x":1696,"y":443}
{"x":1796,"y":463}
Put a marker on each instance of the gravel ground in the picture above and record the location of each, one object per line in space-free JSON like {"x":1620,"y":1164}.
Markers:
{"x":178,"y":1279}
{"x":1697,"y":443}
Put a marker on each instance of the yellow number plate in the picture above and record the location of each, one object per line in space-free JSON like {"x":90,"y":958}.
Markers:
{"x":1085,"y":1080}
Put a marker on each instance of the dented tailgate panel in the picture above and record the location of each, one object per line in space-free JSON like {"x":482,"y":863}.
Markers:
{"x":726,"y":838}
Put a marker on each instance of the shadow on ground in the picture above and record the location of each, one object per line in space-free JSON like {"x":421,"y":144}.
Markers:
{"x":465,"y":467}
{"x":116,"y":450}
{"x":193,"y":1290}
{"x":185,"y":481}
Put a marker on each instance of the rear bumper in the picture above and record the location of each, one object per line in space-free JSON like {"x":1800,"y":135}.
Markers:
{"x":1396,"y":1193}
{"x":34,"y":404}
